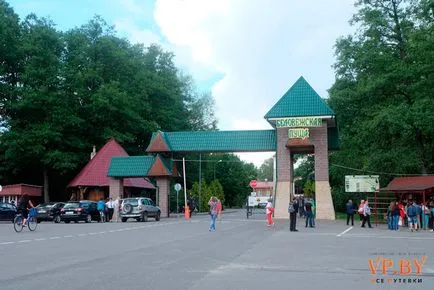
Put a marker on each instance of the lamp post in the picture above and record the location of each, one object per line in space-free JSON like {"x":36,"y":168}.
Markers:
{"x":215,"y":165}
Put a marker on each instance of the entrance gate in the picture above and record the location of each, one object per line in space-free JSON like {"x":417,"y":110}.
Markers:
{"x":302,"y":123}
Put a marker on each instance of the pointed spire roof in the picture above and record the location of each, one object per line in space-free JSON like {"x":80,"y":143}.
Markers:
{"x":95,"y":171}
{"x":300,"y":100}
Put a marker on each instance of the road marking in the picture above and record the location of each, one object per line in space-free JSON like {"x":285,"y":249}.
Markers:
{"x":102,"y":232}
{"x":40,"y":239}
{"x":82,"y":235}
{"x":7,"y":243}
{"x":388,"y":237}
{"x":68,"y":236}
{"x":24,"y":241}
{"x":344,"y":232}
{"x":54,"y":238}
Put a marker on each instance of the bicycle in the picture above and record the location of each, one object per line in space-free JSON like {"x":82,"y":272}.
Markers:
{"x":31,"y":222}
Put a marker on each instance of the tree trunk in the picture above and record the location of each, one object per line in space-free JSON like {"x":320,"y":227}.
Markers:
{"x":46,"y":197}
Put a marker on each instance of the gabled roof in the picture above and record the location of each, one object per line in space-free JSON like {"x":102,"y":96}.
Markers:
{"x":217,"y":141}
{"x":141,"y":166}
{"x":226,"y":141}
{"x":95,"y":171}
{"x":413,"y":183}
{"x":300,"y":100}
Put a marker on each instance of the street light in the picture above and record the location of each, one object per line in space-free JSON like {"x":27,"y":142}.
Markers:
{"x":215,"y":164}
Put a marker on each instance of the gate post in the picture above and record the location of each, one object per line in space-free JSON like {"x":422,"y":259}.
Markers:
{"x":163,"y":184}
{"x":116,"y":191}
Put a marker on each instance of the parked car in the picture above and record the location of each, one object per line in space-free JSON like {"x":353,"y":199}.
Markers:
{"x":49,"y":211}
{"x":139,"y":208}
{"x":7,"y":211}
{"x":76,"y":211}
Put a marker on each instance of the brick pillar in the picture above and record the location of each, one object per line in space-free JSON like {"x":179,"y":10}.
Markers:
{"x":284,"y":174}
{"x":163,"y":187}
{"x":116,"y":191}
{"x":324,"y":201}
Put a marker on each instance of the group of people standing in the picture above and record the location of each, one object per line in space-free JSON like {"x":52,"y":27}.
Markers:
{"x":399,"y":213}
{"x":363,"y":210}
{"x":304,"y":206}
{"x":107,"y":207}
{"x":416,"y":216}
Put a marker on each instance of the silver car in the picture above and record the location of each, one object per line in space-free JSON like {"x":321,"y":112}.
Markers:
{"x":139,"y":208}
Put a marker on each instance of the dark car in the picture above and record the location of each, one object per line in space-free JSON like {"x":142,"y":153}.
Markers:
{"x":7,"y":211}
{"x":50,"y":211}
{"x":76,"y":211}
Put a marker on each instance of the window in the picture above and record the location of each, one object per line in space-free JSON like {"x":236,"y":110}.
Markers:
{"x":151,"y":202}
{"x":145,"y":202}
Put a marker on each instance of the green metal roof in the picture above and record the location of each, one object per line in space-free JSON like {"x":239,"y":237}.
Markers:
{"x":131,"y":166}
{"x":300,"y":100}
{"x":221,"y":141}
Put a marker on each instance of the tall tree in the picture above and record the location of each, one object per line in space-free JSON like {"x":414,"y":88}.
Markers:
{"x":266,"y":170}
{"x":383,"y":89}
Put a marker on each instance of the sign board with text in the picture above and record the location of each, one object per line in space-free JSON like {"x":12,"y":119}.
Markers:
{"x":298,"y":122}
{"x":362,"y":183}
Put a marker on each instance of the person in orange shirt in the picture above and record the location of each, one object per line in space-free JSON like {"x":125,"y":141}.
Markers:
{"x":269,"y":213}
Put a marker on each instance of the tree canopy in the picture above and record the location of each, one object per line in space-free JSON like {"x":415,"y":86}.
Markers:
{"x":61,"y":92}
{"x":383,"y":93}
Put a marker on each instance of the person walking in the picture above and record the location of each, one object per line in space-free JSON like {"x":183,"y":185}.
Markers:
{"x":213,"y":203}
{"x":269,"y":213}
{"x":293,"y":210}
{"x":366,"y":215}
{"x":350,"y":212}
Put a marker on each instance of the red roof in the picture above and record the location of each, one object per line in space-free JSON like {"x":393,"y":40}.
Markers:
{"x":95,"y":172}
{"x":414,"y":183}
{"x":20,"y":189}
{"x":264,"y":184}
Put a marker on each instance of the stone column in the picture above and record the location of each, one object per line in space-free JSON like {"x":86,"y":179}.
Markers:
{"x":116,"y":191}
{"x":284,"y":174}
{"x":324,"y":201}
{"x":163,"y":185}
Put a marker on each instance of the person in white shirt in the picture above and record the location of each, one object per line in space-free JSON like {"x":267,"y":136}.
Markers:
{"x":111,"y":207}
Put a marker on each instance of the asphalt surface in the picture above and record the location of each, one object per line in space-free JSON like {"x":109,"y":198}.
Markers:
{"x":241,"y":254}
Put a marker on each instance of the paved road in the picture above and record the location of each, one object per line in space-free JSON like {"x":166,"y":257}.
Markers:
{"x":175,"y":254}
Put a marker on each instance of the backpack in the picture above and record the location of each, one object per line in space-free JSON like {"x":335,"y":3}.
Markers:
{"x":291,"y":208}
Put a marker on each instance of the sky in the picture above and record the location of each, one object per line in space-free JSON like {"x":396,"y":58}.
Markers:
{"x":247,"y":53}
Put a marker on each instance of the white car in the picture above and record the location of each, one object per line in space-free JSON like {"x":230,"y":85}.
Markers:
{"x":139,"y":208}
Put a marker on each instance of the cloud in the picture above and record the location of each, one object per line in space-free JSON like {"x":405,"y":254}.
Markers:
{"x":260,"y":47}
{"x":132,"y":6}
{"x":134,"y":34}
{"x":257,"y":48}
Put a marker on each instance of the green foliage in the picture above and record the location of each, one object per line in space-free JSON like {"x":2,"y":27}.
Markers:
{"x":383,"y":91}
{"x":309,"y":188}
{"x":63,"y":92}
{"x":266,"y":170}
